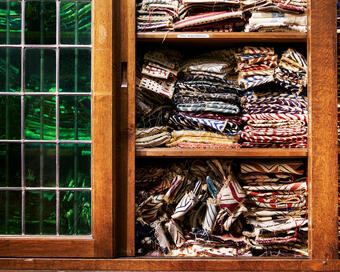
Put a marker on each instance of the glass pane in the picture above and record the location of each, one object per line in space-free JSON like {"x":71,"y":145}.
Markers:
{"x":10,"y":165}
{"x":75,"y":212}
{"x":40,"y":212}
{"x":10,"y":117}
{"x":40,"y":67}
{"x":10,"y":22}
{"x":40,"y":22}
{"x":75,"y":22}
{"x":75,"y":165}
{"x":75,"y":70}
{"x":40,"y":122}
{"x":75,"y":118}
{"x":40,"y":165}
{"x":10,"y":212}
{"x":10,"y":69}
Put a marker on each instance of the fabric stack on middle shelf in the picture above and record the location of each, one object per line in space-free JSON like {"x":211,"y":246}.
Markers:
{"x":276,"y":15}
{"x":155,"y":82}
{"x":208,"y":103}
{"x":277,"y":209}
{"x":156,"y":15}
{"x":210,"y":15}
{"x":277,"y":116}
{"x":256,"y":66}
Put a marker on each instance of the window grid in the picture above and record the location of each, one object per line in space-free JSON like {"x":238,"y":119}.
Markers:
{"x":57,"y":189}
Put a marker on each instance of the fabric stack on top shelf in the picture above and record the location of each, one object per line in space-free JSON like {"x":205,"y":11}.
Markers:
{"x":276,"y":202}
{"x":189,"y":208}
{"x":276,"y":117}
{"x":156,"y":14}
{"x":207,"y":104}
{"x":276,"y":15}
{"x":256,"y":66}
{"x":210,"y":15}
{"x":155,"y":85}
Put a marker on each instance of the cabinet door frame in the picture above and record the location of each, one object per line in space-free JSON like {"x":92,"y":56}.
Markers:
{"x":100,"y":243}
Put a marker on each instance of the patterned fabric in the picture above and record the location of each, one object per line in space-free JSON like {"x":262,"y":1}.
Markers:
{"x":151,"y":137}
{"x":277,"y":199}
{"x":292,"y":71}
{"x":255,"y":66}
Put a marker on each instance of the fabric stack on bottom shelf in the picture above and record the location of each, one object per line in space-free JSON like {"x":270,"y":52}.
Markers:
{"x":276,"y":15}
{"x":210,"y":15}
{"x":256,"y":66}
{"x":277,"y":207}
{"x":156,"y":15}
{"x":207,"y":103}
{"x":155,"y":87}
{"x":189,"y":208}
{"x":274,"y":119}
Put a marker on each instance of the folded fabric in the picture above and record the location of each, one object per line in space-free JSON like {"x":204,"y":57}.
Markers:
{"x":292,"y":71}
{"x":194,"y":136}
{"x":207,"y":18}
{"x":151,"y":137}
{"x":269,"y":21}
{"x":183,"y":121}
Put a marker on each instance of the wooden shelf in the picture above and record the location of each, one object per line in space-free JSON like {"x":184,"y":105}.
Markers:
{"x":231,"y":153}
{"x":221,"y":38}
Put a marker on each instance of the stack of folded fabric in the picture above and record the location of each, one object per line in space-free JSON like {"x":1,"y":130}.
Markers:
{"x":274,"y":119}
{"x":210,"y":15}
{"x":159,"y":71}
{"x":150,"y":137}
{"x":282,"y":6}
{"x":189,"y":208}
{"x":291,"y":72}
{"x":276,"y":15}
{"x":276,"y":116}
{"x":155,"y":86}
{"x":156,"y":15}
{"x":256,"y":66}
{"x":276,"y":22}
{"x":207,"y":102}
{"x":276,"y":201}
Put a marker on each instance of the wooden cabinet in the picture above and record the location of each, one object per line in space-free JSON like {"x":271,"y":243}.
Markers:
{"x":115,"y":154}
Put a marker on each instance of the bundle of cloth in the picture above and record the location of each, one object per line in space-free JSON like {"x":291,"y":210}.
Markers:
{"x":210,"y":15}
{"x":277,"y":210}
{"x":156,"y":15}
{"x":155,"y":85}
{"x":276,"y":15}
{"x":256,"y":66}
{"x":276,"y":114}
{"x":274,"y":119}
{"x":291,"y":72}
{"x":207,"y":103}
{"x":190,"y":208}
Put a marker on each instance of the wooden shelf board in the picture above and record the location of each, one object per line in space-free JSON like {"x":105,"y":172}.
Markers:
{"x":230,"y":153}
{"x":222,"y":38}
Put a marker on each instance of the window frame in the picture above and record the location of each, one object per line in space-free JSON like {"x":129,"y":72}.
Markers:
{"x":100,"y":243}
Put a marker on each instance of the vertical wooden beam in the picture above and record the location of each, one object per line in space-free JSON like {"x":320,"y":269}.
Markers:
{"x":131,"y":76}
{"x":323,"y":156}
{"x":103,"y":129}
{"x":126,"y":133}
